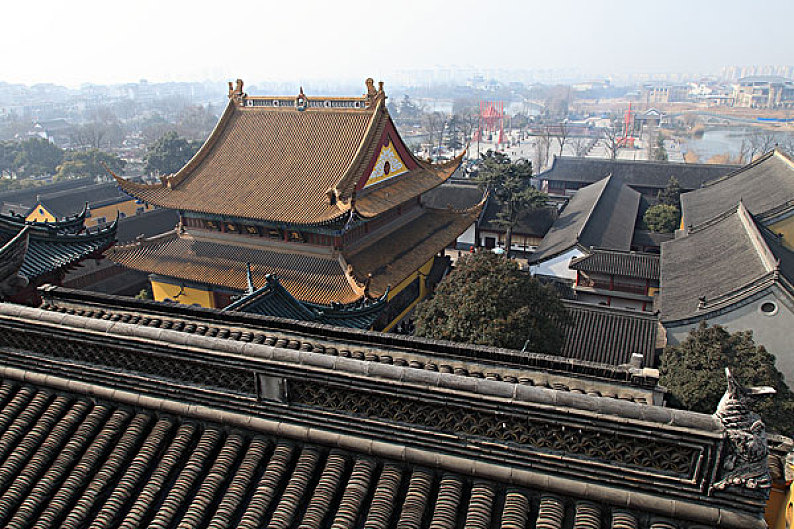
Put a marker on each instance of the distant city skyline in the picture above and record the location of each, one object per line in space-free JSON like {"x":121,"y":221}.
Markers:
{"x":87,"y":41}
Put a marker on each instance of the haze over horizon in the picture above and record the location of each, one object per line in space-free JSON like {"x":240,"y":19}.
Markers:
{"x":72,"y":43}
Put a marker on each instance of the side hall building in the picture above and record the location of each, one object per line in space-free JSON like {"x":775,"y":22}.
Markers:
{"x":319,"y":192}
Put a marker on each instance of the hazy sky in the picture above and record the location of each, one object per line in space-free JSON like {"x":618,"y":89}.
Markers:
{"x":72,"y":42}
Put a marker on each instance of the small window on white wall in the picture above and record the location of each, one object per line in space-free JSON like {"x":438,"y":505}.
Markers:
{"x":768,"y":308}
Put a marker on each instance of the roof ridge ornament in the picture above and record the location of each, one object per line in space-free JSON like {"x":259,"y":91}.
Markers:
{"x":236,"y":93}
{"x":373,"y":96}
{"x":745,"y":464}
{"x":301,"y":102}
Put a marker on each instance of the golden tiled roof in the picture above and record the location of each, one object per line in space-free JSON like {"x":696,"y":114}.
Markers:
{"x":288,"y":164}
{"x":394,"y":257}
{"x":311,"y":278}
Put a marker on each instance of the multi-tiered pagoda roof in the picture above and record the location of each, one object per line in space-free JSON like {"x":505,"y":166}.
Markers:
{"x":319,"y":191}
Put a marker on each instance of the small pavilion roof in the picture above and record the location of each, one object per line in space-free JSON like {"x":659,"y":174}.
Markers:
{"x":69,"y":224}
{"x":299,"y":160}
{"x":49,"y":250}
{"x":275,"y":300}
{"x":765,"y":185}
{"x":609,"y":335}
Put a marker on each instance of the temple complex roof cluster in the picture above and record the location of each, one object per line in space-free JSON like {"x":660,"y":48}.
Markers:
{"x":647,"y":177}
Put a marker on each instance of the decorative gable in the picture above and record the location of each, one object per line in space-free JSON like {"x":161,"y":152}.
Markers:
{"x":388,"y":165}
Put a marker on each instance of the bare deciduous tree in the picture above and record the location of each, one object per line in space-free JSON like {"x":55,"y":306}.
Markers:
{"x":611,"y":135}
{"x":542,"y":150}
{"x":580,"y":145}
{"x":562,"y":136}
{"x":434,"y":123}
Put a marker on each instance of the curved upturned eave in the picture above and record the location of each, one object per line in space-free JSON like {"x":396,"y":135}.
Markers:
{"x":389,"y":194}
{"x":139,"y":191}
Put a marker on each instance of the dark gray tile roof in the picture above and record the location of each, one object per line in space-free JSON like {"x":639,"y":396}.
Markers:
{"x":148,"y":224}
{"x":71,"y":201}
{"x":111,"y":423}
{"x":601,"y":215}
{"x":721,"y":261}
{"x":609,"y":335}
{"x":27,"y":197}
{"x":457,"y":194}
{"x":534,"y":223}
{"x":630,"y":264}
{"x":275,"y":300}
{"x":632,"y":172}
{"x":764,"y":185}
{"x":49,"y":250}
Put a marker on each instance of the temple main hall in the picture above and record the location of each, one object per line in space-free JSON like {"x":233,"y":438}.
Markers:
{"x":320,"y":193}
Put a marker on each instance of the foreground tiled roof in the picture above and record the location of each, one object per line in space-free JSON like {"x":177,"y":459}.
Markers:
{"x":720,"y":263}
{"x":630,"y":264}
{"x":118,"y":425}
{"x":634,"y":173}
{"x":609,"y":335}
{"x":475,"y":362}
{"x":764,"y":185}
{"x":601,"y":215}
{"x":76,"y":461}
{"x":315,"y":278}
{"x":274,"y":300}
{"x":300,"y":166}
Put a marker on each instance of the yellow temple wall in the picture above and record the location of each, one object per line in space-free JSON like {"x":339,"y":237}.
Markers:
{"x":779,"y":512}
{"x":40,"y":214}
{"x":185,"y":295}
{"x":129,"y":208}
{"x":786,"y":228}
{"x":423,"y":270}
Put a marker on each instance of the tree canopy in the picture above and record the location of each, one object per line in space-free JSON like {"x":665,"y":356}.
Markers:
{"x":89,"y":163}
{"x":170,"y":153}
{"x":671,"y":195}
{"x":509,"y":183}
{"x":487,"y":300}
{"x":694,"y":373}
{"x":662,"y":218}
{"x":32,"y":157}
